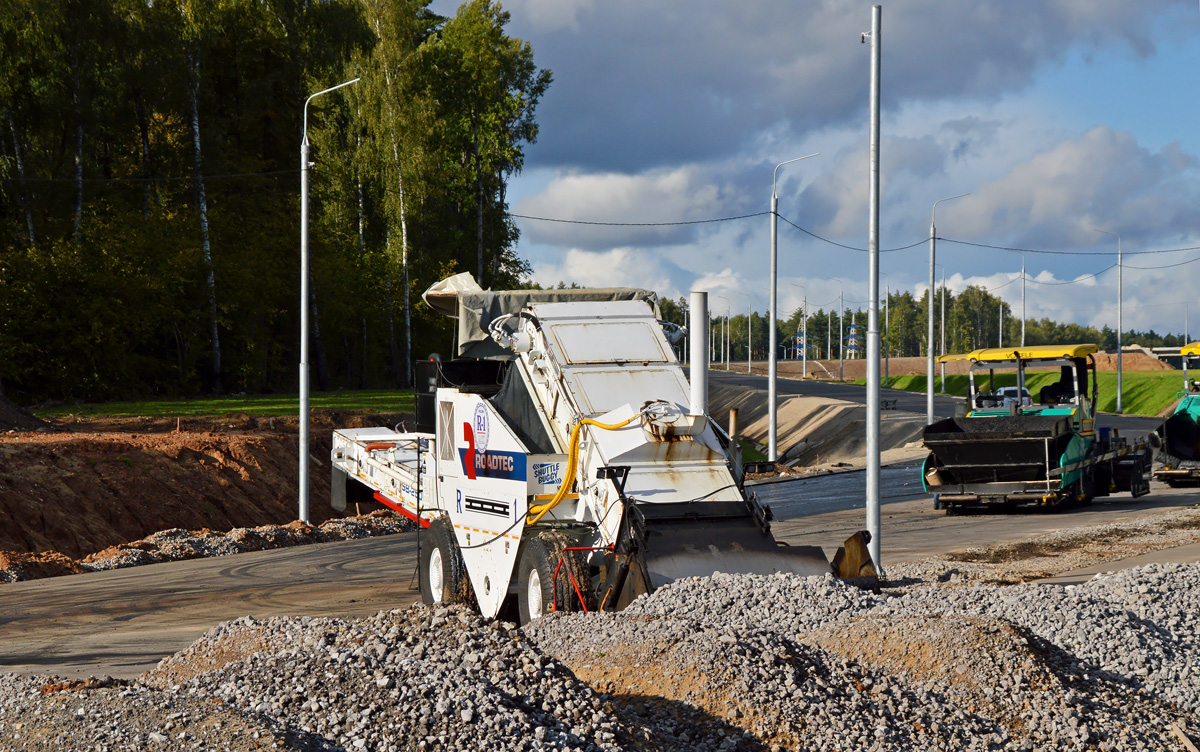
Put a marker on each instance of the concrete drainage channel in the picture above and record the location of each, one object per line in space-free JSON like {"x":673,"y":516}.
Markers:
{"x":732,"y":662}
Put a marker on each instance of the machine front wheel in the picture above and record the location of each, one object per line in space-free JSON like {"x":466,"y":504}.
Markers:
{"x":443,"y":576}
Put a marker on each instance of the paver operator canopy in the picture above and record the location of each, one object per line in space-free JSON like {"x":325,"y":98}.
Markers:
{"x":565,"y":468}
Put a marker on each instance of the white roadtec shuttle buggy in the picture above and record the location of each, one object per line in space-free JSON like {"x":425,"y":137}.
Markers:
{"x":558,"y":465}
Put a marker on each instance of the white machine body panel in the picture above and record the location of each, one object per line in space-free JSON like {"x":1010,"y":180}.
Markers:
{"x":484,"y":492}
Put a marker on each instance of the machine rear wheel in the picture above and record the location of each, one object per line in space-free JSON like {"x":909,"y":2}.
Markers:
{"x":535,"y":580}
{"x":443,"y":576}
{"x":537,"y":591}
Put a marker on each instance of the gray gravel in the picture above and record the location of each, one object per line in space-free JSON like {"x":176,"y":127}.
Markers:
{"x":731,"y":662}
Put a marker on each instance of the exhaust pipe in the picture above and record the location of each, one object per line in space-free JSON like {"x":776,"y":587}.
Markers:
{"x":699,"y":354}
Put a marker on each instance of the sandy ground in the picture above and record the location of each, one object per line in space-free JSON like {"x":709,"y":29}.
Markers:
{"x":814,"y":433}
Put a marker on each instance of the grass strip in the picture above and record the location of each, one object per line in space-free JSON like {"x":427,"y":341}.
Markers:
{"x":274,"y":405}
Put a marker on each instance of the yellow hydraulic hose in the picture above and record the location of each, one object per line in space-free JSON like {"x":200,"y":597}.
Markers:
{"x":540,"y":510}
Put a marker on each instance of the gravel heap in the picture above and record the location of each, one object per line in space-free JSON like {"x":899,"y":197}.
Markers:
{"x":730,"y":662}
{"x":112,"y":715}
{"x":414,"y":679}
{"x":1106,"y":665}
{"x":177,"y":544}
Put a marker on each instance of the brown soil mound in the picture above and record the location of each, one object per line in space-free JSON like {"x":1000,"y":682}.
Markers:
{"x":80,"y":492}
{"x":13,"y":418}
{"x":23,"y":566}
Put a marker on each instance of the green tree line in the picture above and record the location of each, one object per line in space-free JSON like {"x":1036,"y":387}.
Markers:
{"x":973,"y":321}
{"x":149,"y":187}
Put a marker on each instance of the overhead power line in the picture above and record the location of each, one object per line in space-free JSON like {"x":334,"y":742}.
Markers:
{"x":1045,"y":251}
{"x":638,"y":224}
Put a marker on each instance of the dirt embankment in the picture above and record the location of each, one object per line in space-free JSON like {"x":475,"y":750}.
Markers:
{"x":88,"y":486}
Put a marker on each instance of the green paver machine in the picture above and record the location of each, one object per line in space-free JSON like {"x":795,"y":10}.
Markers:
{"x":1000,"y":451}
{"x":1179,"y":455}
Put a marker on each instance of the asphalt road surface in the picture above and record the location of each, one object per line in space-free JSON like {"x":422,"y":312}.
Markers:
{"x":943,"y":407}
{"x":122,"y":622}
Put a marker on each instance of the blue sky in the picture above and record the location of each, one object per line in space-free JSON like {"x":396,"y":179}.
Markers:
{"x":1059,"y":116}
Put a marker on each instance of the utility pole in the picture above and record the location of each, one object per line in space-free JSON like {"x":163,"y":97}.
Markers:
{"x":772,"y":356}
{"x":887,"y":337}
{"x":873,"y":422}
{"x":841,"y":336}
{"x":1022,"y":300}
{"x":1186,"y":305}
{"x":943,"y":327}
{"x":1120,"y":275}
{"x":804,"y":340}
{"x":929,"y":340}
{"x":749,"y":333}
{"x":1000,"y":331}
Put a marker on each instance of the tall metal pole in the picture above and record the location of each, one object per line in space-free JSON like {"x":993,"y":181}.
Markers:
{"x":1000,"y":331}
{"x":304,"y":418}
{"x":804,"y":340}
{"x":772,"y":365}
{"x":873,"y":459}
{"x":1120,"y":306}
{"x":1022,"y":300}
{"x":943,"y":327}
{"x":749,"y":334}
{"x":929,"y":339}
{"x":841,"y":336}
{"x":304,"y":329}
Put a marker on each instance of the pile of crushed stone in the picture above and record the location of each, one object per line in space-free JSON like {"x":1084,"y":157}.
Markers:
{"x":178,"y":545}
{"x":731,"y":662}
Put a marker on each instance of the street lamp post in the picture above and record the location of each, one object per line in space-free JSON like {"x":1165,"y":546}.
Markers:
{"x":1119,"y":308}
{"x":304,"y":166}
{"x":772,"y":359}
{"x":932,"y":282}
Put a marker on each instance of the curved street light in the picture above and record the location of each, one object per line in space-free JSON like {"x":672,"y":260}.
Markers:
{"x":304,"y":166}
{"x":932,"y":283}
{"x":772,"y":358}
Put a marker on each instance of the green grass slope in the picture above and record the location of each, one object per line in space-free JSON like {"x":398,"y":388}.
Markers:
{"x":1146,"y":392}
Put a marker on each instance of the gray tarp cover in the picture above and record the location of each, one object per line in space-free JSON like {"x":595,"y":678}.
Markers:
{"x":478,"y":308}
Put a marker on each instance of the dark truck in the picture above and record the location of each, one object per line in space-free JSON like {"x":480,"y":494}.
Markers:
{"x":1048,"y":454}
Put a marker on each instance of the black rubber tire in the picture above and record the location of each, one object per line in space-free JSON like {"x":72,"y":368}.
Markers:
{"x":441,"y":563}
{"x":1087,"y":492}
{"x":535,"y":560}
